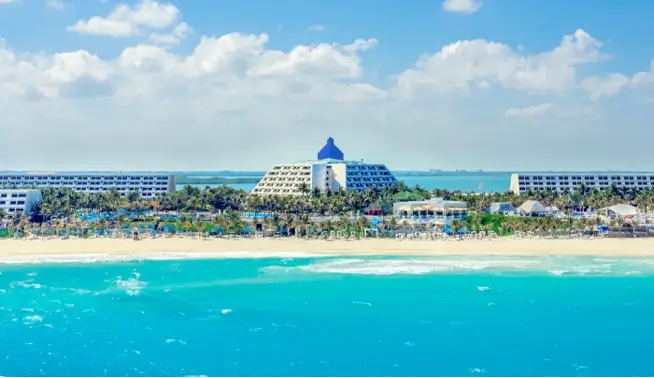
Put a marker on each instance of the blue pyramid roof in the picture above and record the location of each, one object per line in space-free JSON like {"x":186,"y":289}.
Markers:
{"x":330,"y":151}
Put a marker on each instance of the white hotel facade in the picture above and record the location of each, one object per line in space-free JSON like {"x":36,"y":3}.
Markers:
{"x":149,"y":185}
{"x":571,"y":181}
{"x":19,"y":201}
{"x":330,"y":171}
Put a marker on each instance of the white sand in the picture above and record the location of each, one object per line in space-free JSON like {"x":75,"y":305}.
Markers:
{"x":26,"y":250}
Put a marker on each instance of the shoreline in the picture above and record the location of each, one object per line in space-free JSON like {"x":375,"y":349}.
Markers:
{"x":57,"y":250}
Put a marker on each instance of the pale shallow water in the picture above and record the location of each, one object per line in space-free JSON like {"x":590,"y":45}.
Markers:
{"x":329,"y":316}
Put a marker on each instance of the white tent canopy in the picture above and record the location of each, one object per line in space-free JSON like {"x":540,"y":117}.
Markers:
{"x":532,"y":207}
{"x":500,"y":207}
{"x":622,"y":210}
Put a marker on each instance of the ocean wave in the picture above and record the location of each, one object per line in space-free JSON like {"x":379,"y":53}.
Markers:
{"x":132,"y":286}
{"x":90,"y":258}
{"x":32,"y":319}
{"x":551,"y":265}
{"x":26,"y":284}
{"x":414,"y":266}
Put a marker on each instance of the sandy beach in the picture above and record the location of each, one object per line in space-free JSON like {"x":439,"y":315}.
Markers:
{"x":197,"y":248}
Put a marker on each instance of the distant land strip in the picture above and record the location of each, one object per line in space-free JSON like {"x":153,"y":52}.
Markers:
{"x":185,"y":180}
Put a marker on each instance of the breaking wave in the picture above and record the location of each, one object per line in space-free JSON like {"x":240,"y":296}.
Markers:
{"x":557,"y":266}
{"x":89,"y":258}
{"x":131,"y":286}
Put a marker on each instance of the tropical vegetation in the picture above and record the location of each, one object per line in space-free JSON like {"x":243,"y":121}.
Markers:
{"x":313,"y":210}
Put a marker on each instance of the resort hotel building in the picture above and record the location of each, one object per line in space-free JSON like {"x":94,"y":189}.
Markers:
{"x":19,"y":201}
{"x":330,"y":171}
{"x":149,"y":185}
{"x":571,"y":181}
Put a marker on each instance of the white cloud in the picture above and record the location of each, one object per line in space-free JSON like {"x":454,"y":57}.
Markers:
{"x":9,"y":1}
{"x":317,"y":28}
{"x":235,"y":102}
{"x":461,"y":63}
{"x":55,"y":4}
{"x":232,"y":58}
{"x":462,"y":6}
{"x":608,"y":86}
{"x":179,"y":33}
{"x":125,"y":20}
{"x":529,"y":111}
{"x":645,"y":77}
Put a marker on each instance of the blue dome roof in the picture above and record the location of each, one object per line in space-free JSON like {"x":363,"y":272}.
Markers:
{"x":330,"y":151}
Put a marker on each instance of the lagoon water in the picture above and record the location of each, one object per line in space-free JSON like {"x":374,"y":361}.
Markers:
{"x":465,"y":181}
{"x":330,"y":316}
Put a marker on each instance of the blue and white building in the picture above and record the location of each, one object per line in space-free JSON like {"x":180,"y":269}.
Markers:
{"x":149,"y":185}
{"x":330,"y":171}
{"x":571,"y":181}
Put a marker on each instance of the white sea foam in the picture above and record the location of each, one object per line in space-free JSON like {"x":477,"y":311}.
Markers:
{"x":225,"y":311}
{"x":27,"y":284}
{"x":89,"y":258}
{"x":31,"y":319}
{"x":175,"y":341}
{"x":412,"y":266}
{"x":483,"y":288}
{"x":132,"y":285}
{"x":558,"y":266}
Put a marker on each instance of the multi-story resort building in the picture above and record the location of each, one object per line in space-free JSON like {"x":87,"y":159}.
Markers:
{"x":149,"y":185}
{"x":330,"y":171}
{"x":571,"y":181}
{"x":19,"y":201}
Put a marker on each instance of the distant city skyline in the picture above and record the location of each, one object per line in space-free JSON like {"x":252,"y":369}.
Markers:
{"x":498,"y":85}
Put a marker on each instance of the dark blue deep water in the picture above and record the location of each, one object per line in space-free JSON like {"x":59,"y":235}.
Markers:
{"x":461,"y":316}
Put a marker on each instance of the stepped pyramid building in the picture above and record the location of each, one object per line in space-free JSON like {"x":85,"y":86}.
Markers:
{"x":330,"y":171}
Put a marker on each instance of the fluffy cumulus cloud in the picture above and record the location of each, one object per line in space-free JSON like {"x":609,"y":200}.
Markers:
{"x":234,"y":101}
{"x":460,"y":64}
{"x":126,"y":20}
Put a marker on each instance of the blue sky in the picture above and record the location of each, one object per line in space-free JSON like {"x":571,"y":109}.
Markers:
{"x":294,"y":75}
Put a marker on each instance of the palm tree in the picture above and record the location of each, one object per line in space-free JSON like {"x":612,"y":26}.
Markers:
{"x":120,"y":220}
{"x":289,"y":221}
{"x":3,"y":216}
{"x":362,"y":225}
{"x":304,"y":188}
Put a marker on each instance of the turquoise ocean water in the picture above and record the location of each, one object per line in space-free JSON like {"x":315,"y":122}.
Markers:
{"x":331,"y":316}
{"x":468,"y":181}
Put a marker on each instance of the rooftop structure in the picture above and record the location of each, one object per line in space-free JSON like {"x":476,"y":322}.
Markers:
{"x":330,"y":171}
{"x":571,"y":181}
{"x":149,"y":185}
{"x":620,"y":210}
{"x":19,"y":201}
{"x":432,"y":209}
{"x":330,"y":151}
{"x":532,"y":208}
{"x":500,"y":208}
